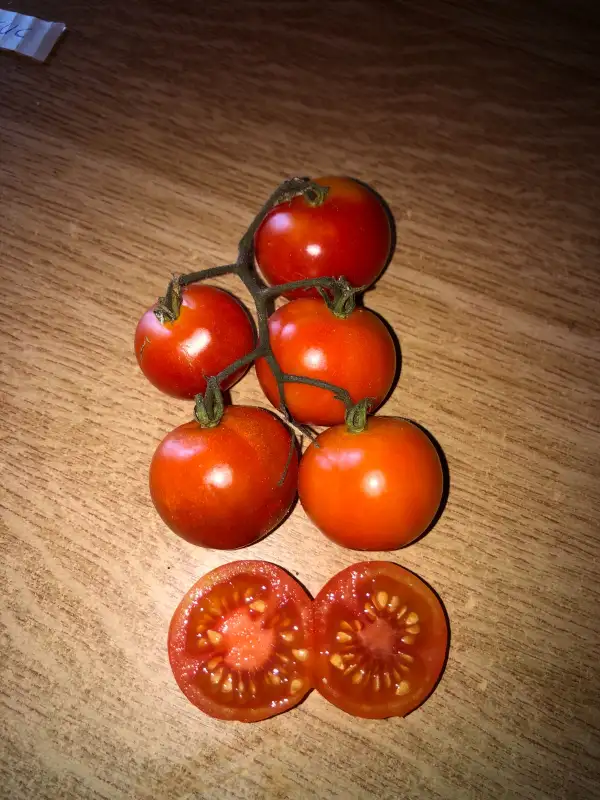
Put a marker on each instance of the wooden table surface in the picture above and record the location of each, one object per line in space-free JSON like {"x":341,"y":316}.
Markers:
{"x":144,"y":146}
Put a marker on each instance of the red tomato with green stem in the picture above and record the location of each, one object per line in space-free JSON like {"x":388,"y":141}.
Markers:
{"x":356,"y":353}
{"x":376,"y":489}
{"x":381,"y":640}
{"x":348,"y":235}
{"x":211,"y":331}
{"x":240,"y":642}
{"x":224,"y":486}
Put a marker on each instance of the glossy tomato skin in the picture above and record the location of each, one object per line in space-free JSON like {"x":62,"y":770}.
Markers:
{"x":348,"y":235}
{"x":212,"y":331}
{"x":240,"y":642}
{"x":381,"y":640}
{"x":307,"y":339}
{"x":375,"y":490}
{"x":219,"y":487}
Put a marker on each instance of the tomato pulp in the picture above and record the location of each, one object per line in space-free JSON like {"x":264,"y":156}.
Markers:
{"x":308,"y":339}
{"x":381,"y":640}
{"x":221,"y":487}
{"x":347,"y":235}
{"x":240,"y":642}
{"x":375,"y":490}
{"x":212,"y":331}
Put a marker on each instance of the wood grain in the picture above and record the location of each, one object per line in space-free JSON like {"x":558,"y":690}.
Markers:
{"x":143,"y":147}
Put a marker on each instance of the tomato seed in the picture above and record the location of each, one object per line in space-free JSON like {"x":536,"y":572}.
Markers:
{"x":300,"y":655}
{"x":403,"y":688}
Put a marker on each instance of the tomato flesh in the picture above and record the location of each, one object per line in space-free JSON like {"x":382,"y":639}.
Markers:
{"x":240,"y":642}
{"x":381,"y":640}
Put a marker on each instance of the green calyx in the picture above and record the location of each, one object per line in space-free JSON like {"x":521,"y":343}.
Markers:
{"x":314,"y":194}
{"x":209,"y":407}
{"x":340,"y":298}
{"x":168,"y":307}
{"x":356,"y":416}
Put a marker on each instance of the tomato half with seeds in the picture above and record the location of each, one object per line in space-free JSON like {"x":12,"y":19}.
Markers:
{"x":224,"y":486}
{"x":378,"y":489}
{"x":381,"y":640}
{"x":347,"y":235}
{"x":212,"y":331}
{"x":240,"y":642}
{"x":356,"y":353}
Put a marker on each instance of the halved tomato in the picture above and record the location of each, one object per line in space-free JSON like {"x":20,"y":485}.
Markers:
{"x":240,"y":642}
{"x":381,"y":640}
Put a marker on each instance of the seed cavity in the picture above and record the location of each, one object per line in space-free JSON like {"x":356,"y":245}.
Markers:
{"x":287,"y":636}
{"x":283,"y":659}
{"x":300,"y":655}
{"x":381,"y":600}
{"x":236,"y":597}
{"x":358,"y":676}
{"x":387,"y":680}
{"x":248,"y":593}
{"x":296,"y":685}
{"x":345,"y":626}
{"x":411,"y":619}
{"x":370,"y":611}
{"x":405,"y":657}
{"x":227,"y":684}
{"x":350,"y":669}
{"x":376,"y":683}
{"x":214,"y":662}
{"x":240,"y":687}
{"x":258,"y":605}
{"x":408,"y":639}
{"x":401,"y":613}
{"x":251,"y":686}
{"x":403,"y":688}
{"x":273,"y":678}
{"x":358,"y":625}
{"x":413,"y":629}
{"x":337,"y":661}
{"x":214,"y":637}
{"x":202,"y":643}
{"x":342,"y":637}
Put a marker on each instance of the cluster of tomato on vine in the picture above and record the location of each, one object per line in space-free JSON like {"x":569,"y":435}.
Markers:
{"x":230,"y":476}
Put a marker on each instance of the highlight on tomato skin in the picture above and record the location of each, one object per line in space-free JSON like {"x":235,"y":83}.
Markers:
{"x":240,"y":642}
{"x":381,"y":639}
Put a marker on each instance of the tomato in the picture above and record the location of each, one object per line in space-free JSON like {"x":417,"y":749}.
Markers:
{"x":220,"y":487}
{"x":381,"y":640}
{"x":308,"y":339}
{"x":349,"y":234}
{"x":375,"y":490}
{"x":212,"y":331}
{"x":240,"y":642}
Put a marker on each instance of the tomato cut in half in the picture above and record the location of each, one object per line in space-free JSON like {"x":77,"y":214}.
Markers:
{"x":381,"y":640}
{"x":240,"y":642}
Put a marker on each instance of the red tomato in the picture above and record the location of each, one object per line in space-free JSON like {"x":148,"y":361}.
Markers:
{"x":381,"y":640}
{"x":240,"y":642}
{"x":347,"y":235}
{"x":375,"y":490}
{"x":212,"y":331}
{"x":307,"y":339}
{"x":220,"y":487}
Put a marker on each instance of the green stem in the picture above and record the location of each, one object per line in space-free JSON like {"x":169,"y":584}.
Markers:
{"x":209,"y":407}
{"x":356,"y":415}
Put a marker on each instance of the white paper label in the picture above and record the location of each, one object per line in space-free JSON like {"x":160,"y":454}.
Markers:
{"x":29,"y":36}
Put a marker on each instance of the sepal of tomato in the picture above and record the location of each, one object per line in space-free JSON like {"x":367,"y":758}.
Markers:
{"x":381,"y":640}
{"x":240,"y":642}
